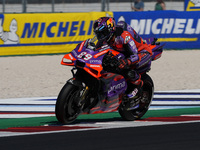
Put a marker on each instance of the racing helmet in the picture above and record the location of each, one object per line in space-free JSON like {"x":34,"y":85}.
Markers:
{"x":104,"y":28}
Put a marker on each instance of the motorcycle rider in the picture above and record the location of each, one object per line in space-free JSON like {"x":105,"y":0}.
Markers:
{"x":123,"y":38}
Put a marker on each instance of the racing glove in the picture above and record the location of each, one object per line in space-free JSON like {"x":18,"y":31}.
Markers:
{"x":124,"y":63}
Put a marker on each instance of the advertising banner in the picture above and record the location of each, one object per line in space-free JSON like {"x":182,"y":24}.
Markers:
{"x":45,"y":33}
{"x":179,"y":29}
{"x":192,"y":5}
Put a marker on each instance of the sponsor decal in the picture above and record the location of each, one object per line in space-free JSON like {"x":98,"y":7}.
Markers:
{"x":100,"y":53}
{"x":71,"y":57}
{"x":81,"y":46}
{"x":132,"y":43}
{"x":10,"y":36}
{"x":179,"y":29}
{"x":166,"y":26}
{"x":192,"y":5}
{"x":45,"y":33}
{"x":117,"y":87}
{"x":127,"y":38}
{"x":74,"y":53}
{"x":98,"y":66}
{"x":105,"y":47}
{"x":133,"y":93}
{"x":95,"y":61}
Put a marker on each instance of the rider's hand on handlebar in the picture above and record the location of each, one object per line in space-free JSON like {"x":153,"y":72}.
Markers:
{"x":110,"y":63}
{"x":124,"y":63}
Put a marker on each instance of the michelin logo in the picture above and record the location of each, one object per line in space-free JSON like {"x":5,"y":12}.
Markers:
{"x":9,"y":37}
{"x":166,"y":26}
{"x":196,"y":3}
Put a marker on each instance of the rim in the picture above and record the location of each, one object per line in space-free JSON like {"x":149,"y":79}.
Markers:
{"x":144,"y":102}
{"x":71,"y":108}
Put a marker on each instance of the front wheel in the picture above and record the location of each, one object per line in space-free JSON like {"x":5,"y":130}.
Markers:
{"x":145,"y":101}
{"x":67,"y":109}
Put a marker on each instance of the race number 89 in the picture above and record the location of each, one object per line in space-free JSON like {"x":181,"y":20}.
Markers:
{"x":86,"y":56}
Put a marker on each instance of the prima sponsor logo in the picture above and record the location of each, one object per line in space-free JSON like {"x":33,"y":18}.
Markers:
{"x":117,"y":87}
{"x":95,"y":61}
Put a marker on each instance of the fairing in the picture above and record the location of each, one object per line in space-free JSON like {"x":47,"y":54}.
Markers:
{"x":113,"y":86}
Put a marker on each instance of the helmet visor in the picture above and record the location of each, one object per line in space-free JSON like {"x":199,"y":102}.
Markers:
{"x":102,"y":33}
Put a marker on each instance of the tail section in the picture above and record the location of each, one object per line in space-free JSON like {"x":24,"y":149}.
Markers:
{"x":156,"y":47}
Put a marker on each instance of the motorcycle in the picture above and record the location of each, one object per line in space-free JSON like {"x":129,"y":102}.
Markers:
{"x":96,"y":87}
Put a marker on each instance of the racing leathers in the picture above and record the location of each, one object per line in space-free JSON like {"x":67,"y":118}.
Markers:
{"x":137,"y":55}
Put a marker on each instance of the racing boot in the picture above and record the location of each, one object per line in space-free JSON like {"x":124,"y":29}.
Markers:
{"x":134,"y":96}
{"x":137,"y":92}
{"x":137,"y":83}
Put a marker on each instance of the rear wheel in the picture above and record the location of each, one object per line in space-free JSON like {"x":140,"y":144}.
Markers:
{"x":67,"y":109}
{"x":144,"y":101}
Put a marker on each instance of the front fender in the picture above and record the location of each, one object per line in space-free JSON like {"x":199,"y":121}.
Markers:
{"x":77,"y":83}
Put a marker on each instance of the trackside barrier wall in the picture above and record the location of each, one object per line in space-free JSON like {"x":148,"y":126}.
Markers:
{"x":45,"y":33}
{"x":179,"y":29}
{"x":53,"y":33}
{"x":192,"y":5}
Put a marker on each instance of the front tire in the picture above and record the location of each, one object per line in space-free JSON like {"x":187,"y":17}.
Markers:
{"x":145,"y":101}
{"x":67,"y":109}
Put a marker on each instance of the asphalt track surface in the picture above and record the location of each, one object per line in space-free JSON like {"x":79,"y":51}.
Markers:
{"x":109,"y":134}
{"x":177,"y":136}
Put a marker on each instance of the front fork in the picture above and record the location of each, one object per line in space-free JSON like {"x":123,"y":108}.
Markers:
{"x":89,"y":88}
{"x":81,"y":97}
{"x":72,"y":71}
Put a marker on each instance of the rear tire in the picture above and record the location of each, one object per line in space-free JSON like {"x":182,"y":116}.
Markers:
{"x":66,"y":109}
{"x":145,"y":101}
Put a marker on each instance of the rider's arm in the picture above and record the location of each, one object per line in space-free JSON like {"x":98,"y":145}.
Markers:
{"x":141,"y":58}
{"x":144,"y":58}
{"x":136,"y":56}
{"x":132,"y":50}
{"x":132,"y":53}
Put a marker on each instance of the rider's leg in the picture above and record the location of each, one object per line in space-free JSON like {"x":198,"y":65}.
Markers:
{"x":134,"y":75}
{"x":136,"y":84}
